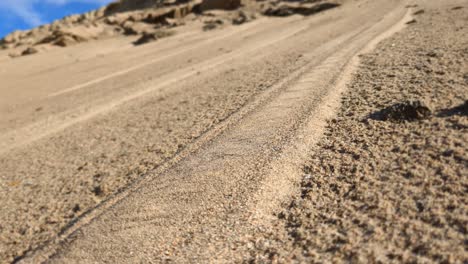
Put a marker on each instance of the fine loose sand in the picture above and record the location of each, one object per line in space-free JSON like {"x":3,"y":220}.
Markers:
{"x":214,"y":145}
{"x":381,"y":191}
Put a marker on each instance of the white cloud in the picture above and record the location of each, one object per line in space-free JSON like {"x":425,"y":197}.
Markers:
{"x":25,"y":9}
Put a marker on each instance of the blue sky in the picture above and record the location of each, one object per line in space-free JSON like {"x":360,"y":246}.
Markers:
{"x":26,"y":14}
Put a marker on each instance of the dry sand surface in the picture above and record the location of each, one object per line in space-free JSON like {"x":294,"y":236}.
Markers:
{"x":390,"y":190}
{"x":212,"y":143}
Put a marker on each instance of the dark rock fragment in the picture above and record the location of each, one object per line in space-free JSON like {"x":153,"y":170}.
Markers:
{"x":241,"y":18}
{"x":281,"y":11}
{"x":152,"y":36}
{"x":212,"y":24}
{"x":305,"y":10}
{"x":432,"y":54}
{"x":76,"y":208}
{"x":145,"y":38}
{"x":29,"y":51}
{"x":97,"y":190}
{"x":222,"y":5}
{"x":411,"y":110}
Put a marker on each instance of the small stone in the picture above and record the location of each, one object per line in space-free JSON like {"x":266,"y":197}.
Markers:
{"x":212,"y":24}
{"x":97,"y":190}
{"x":153,"y":36}
{"x":76,"y":208}
{"x":407,"y":111}
{"x":281,"y":11}
{"x":285,"y":10}
{"x":29,"y":51}
{"x":146,"y":38}
{"x":432,"y":54}
{"x":240,"y":19}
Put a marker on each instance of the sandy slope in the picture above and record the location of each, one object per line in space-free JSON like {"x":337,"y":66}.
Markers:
{"x":382,"y":191}
{"x":177,"y":150}
{"x":219,"y":111}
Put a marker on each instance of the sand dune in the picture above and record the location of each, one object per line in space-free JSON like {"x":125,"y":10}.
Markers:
{"x":204,"y":131}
